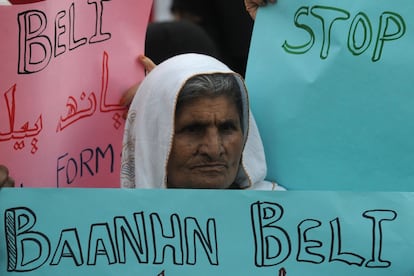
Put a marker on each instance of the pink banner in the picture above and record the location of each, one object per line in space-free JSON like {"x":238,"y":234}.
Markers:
{"x":64,"y":65}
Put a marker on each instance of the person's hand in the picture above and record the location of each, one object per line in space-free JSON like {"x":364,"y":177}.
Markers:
{"x":253,"y":5}
{"x":5,"y":179}
{"x":127,"y":97}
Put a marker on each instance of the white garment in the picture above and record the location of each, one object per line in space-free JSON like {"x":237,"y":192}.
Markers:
{"x":4,"y":2}
{"x":149,"y":127}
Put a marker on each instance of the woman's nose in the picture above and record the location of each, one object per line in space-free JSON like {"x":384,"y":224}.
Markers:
{"x":212,"y":144}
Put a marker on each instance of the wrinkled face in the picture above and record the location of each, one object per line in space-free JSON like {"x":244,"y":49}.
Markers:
{"x":207,"y":145}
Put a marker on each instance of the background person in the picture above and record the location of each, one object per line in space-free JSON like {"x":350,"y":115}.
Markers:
{"x":162,"y":39}
{"x":167,"y":39}
{"x":226,"y":22}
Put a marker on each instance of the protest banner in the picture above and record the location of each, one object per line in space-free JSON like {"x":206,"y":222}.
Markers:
{"x":65,"y":65}
{"x":330,"y":86}
{"x":205,"y":232}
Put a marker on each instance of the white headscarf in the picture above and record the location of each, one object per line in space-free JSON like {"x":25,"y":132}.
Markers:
{"x":149,"y":127}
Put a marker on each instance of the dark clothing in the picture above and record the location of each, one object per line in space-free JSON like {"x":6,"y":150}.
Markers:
{"x":167,"y":39}
{"x":227,"y":22}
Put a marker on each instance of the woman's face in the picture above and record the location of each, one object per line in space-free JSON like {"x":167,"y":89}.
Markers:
{"x":207,"y":144}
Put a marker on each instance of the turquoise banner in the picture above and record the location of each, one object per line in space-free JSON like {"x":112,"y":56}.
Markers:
{"x":330,"y":84}
{"x":192,"y":232}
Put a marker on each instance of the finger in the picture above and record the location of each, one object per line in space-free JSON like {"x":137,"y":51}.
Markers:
{"x":251,"y":7}
{"x":147,"y":63}
{"x":4,"y":174}
{"x":9,"y":183}
{"x":127,"y":97}
{"x":262,"y":3}
{"x":125,"y":115}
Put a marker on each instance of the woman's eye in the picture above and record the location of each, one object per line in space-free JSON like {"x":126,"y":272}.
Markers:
{"x":193,"y":128}
{"x":228,"y":127}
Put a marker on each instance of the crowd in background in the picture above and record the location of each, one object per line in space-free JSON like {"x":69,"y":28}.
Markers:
{"x":219,"y":28}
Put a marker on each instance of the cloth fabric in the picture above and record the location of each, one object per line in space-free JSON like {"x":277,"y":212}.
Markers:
{"x":149,"y":127}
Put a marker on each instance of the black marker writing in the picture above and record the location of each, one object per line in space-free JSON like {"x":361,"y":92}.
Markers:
{"x":90,"y":161}
{"x":273,"y":242}
{"x":149,"y":238}
{"x":36,"y":48}
{"x":360,"y":34}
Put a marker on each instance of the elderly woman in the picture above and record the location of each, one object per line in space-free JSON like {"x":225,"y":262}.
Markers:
{"x":189,"y":126}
